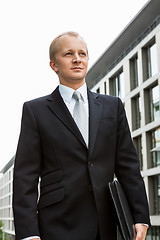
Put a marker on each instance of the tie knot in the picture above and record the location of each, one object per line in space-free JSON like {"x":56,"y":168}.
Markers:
{"x":77,"y":95}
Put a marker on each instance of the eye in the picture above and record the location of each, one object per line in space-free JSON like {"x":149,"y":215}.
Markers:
{"x":68,"y":53}
{"x":83,"y":53}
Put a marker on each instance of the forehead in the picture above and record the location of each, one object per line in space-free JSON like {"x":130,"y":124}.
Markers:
{"x":71,"y":43}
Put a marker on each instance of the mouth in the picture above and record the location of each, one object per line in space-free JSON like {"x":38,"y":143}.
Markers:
{"x":77,"y":68}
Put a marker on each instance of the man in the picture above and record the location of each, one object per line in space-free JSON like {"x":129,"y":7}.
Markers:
{"x":74,"y":164}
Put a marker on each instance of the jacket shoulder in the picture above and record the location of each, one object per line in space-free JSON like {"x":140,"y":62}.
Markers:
{"x":106,"y":98}
{"x":38,"y":100}
{"x":43,"y":99}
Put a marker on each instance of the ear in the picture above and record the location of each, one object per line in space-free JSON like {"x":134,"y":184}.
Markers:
{"x":54,"y":66}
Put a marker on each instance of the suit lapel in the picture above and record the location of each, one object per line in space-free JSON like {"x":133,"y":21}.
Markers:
{"x":95,"y":110}
{"x":58,"y":107}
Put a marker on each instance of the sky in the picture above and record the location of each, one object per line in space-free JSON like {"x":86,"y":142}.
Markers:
{"x":27,"y":28}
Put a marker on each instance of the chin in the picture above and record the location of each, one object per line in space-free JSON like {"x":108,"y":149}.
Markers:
{"x":80,"y":79}
{"x":78,"y":76}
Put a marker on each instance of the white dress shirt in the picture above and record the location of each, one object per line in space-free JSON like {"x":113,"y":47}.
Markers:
{"x":67,"y":93}
{"x":28,"y":238}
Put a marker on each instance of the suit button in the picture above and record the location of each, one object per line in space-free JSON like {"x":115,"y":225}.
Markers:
{"x":90,"y":188}
{"x":90,"y":164}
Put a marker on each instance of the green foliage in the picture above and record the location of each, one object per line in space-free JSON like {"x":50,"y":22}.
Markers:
{"x":3,"y":236}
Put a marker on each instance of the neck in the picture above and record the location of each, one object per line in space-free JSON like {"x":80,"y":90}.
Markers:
{"x":73,"y":85}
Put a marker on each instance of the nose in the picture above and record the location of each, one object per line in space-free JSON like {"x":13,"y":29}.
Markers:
{"x":76,"y":58}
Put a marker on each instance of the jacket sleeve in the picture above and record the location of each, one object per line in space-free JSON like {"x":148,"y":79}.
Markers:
{"x":26,"y":177}
{"x":128,"y":170}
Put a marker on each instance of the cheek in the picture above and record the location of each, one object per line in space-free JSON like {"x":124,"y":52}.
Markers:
{"x":85,"y":63}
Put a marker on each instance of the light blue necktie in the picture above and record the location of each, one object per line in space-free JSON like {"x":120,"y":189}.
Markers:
{"x":80,"y":115}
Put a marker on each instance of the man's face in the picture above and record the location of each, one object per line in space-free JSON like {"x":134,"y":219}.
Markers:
{"x":71,"y":60}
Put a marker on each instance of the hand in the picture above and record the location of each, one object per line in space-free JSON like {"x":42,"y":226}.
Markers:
{"x":34,"y":239}
{"x":141,"y":231}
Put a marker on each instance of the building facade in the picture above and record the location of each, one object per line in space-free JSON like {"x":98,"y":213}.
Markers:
{"x":6,"y":214}
{"x":130,"y":69}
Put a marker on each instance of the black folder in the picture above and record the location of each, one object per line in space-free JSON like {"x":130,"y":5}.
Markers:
{"x":124,"y":216}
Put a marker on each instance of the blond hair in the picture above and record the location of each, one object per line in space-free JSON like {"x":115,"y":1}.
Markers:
{"x":53,"y":49}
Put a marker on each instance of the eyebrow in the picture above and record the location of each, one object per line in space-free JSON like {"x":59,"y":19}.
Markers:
{"x":73,"y":50}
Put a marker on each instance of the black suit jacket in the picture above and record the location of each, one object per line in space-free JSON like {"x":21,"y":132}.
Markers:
{"x":74,"y":200}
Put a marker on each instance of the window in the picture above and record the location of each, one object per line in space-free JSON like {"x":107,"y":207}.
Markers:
{"x":136,"y":112}
{"x":117,"y":85}
{"x":153,"y":233}
{"x":105,"y":88}
{"x":134,"y":78}
{"x":154,"y":100}
{"x":156,"y":194}
{"x":138,"y":145}
{"x":152,"y":108}
{"x":150,"y":66}
{"x":98,"y":90}
{"x":155,"y":143}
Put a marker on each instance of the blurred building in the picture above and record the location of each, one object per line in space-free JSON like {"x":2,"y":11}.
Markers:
{"x":130,"y":69}
{"x":6,"y":214}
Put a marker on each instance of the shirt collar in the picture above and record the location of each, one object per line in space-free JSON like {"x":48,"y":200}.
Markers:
{"x":67,"y":92}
